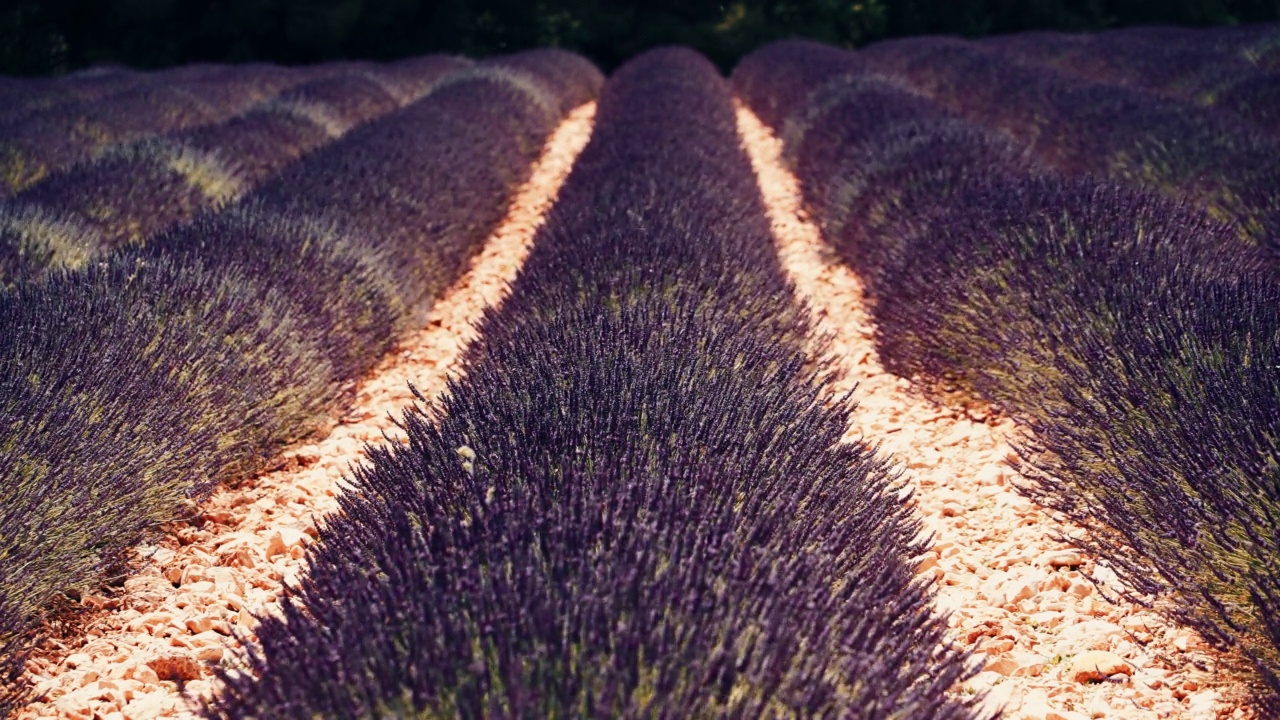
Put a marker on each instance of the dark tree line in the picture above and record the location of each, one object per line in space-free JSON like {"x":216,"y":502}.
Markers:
{"x":43,"y":36}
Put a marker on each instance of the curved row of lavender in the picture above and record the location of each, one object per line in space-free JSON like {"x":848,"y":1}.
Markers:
{"x":21,"y":97}
{"x":636,"y":503}
{"x":1081,"y":127}
{"x":1137,"y":336}
{"x":24,"y":97}
{"x":51,"y":124}
{"x":135,"y":384}
{"x":65,"y":133}
{"x":133,"y":191}
{"x":1234,"y":69}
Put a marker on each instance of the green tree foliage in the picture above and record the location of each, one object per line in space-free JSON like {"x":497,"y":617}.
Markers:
{"x":41,"y":36}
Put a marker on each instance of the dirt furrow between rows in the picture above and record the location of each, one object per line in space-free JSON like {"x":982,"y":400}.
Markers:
{"x":1054,"y":637}
{"x":149,"y":650}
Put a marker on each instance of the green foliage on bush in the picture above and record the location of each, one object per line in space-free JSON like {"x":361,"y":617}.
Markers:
{"x":39,"y":36}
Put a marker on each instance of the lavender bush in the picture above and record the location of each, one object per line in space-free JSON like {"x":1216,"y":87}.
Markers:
{"x":67,"y":133}
{"x":1080,"y":127}
{"x":134,"y":191}
{"x":1223,"y":69}
{"x":637,"y":503}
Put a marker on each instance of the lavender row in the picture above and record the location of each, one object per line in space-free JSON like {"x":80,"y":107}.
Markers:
{"x":71,"y":132}
{"x":636,"y":503}
{"x":1132,"y":333}
{"x":1081,"y":127}
{"x":131,"y":386}
{"x":49,"y":138}
{"x":137,"y":190}
{"x":1232,"y":69}
{"x":21,"y":98}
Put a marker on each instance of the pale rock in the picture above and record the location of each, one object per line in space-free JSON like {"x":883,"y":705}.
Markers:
{"x":1035,"y":706}
{"x":1054,"y":581}
{"x":283,"y":539}
{"x":1090,"y":634}
{"x":209,"y":654}
{"x":1007,"y":588}
{"x":1017,"y":590}
{"x":984,"y":680}
{"x":946,"y":549}
{"x":1098,"y":707}
{"x":1064,"y":559}
{"x":106,"y":690}
{"x":151,"y":705}
{"x":226,"y":580}
{"x":163,"y":556}
{"x":1001,"y":666}
{"x":202,"y":586}
{"x":173,"y":573}
{"x":207,"y":623}
{"x":143,"y":674}
{"x":180,"y":667}
{"x":1104,"y":574}
{"x":1136,"y":622}
{"x":194,"y":573}
{"x":1046,"y":619}
{"x":1028,"y":664}
{"x":77,"y":659}
{"x":997,"y":646}
{"x":199,"y":687}
{"x":1202,"y":702}
{"x":148,"y":587}
{"x":989,"y":491}
{"x":991,"y":474}
{"x":78,"y":713}
{"x":1096,"y":665}
{"x":1089,"y":606}
{"x":998,"y":699}
{"x":1081,"y":588}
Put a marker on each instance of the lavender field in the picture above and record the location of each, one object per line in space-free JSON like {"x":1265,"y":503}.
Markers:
{"x":638,"y":492}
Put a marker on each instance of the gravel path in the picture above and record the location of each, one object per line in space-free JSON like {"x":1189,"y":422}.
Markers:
{"x":172,"y":622}
{"x":1055,"y":646}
